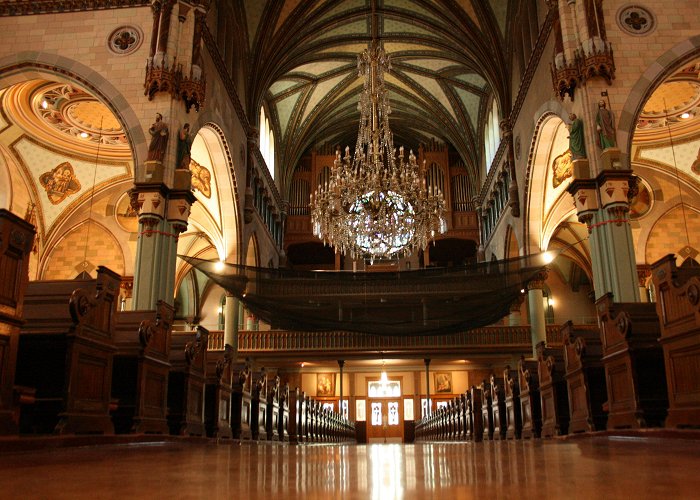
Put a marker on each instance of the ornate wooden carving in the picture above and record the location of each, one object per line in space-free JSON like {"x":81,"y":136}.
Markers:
{"x":553,"y":391}
{"x":273,"y":409}
{"x":585,"y":378}
{"x":258,"y":421}
{"x":498,"y":408}
{"x":513,"y":409}
{"x":476,"y":414}
{"x":241,"y":403}
{"x":678,"y":307}
{"x":217,"y":407}
{"x":634,"y":364}
{"x":486,"y":410}
{"x":16,"y":241}
{"x":186,"y":383}
{"x":530,"y":403}
{"x":140,"y":370}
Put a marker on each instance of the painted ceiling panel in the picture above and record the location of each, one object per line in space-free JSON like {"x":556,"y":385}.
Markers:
{"x":472,"y":78}
{"x":413,"y":7}
{"x":344,"y":6}
{"x":322,"y":90}
{"x":349,"y":48}
{"x":357,"y":27}
{"x":471,"y":103}
{"x":469,"y":9}
{"x":433,"y":88}
{"x":289,"y":6}
{"x":284,"y":110}
{"x":318,"y":68}
{"x":253,"y":11}
{"x":389,"y":78}
{"x":685,"y":154}
{"x":399,"y":26}
{"x":280,"y":86}
{"x":431,"y":64}
{"x":40,"y":160}
{"x":500,"y":10}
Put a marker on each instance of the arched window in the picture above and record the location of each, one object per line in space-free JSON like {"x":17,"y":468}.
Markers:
{"x":492,"y":135}
{"x":267,"y":142}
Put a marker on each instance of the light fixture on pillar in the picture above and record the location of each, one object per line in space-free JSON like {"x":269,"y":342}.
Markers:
{"x":376,"y":204}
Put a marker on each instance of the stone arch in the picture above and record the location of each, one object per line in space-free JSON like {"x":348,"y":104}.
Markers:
{"x":65,"y":258}
{"x":253,"y":252}
{"x":535,"y":177}
{"x":29,"y":65}
{"x":512,"y":248}
{"x":6,"y":181}
{"x":654,"y":75}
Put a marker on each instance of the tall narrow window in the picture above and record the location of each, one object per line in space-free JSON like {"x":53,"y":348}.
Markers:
{"x":267,"y":142}
{"x":492,"y":136}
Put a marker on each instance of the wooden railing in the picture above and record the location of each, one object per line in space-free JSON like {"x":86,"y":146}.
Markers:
{"x":503,"y":337}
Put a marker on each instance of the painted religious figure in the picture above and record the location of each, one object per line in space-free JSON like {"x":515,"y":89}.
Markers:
{"x":201,"y":178}
{"x":562,"y":168}
{"x":159,"y":140}
{"x":577,"y":145}
{"x":60,"y":183}
{"x":325,"y":384}
{"x":443,"y":382}
{"x":605,"y":125}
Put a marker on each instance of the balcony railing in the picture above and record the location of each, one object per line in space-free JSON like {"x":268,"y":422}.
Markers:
{"x":490,"y":338}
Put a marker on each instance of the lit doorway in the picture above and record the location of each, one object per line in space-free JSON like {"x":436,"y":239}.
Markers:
{"x":385,"y":405}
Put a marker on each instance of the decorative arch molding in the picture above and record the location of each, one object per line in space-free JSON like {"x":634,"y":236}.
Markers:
{"x":511,"y":246}
{"x":6,"y":182}
{"x":550,"y":115}
{"x":215,"y":137}
{"x":252,"y":251}
{"x":672,"y":60}
{"x":27,"y":65}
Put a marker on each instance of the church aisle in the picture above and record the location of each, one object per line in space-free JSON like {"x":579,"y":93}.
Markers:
{"x":582,"y":468}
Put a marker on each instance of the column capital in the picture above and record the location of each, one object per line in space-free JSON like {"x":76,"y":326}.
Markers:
{"x":537,"y":282}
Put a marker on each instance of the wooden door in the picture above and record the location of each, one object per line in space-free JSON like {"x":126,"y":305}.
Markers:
{"x":385,"y":420}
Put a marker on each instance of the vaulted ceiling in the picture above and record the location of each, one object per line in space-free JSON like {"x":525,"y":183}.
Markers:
{"x":448,"y":57}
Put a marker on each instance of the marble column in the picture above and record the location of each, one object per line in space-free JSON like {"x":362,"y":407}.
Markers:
{"x":231,"y":322}
{"x":535,"y":304}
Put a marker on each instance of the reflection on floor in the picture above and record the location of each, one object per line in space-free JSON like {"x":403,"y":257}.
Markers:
{"x":585,"y":468}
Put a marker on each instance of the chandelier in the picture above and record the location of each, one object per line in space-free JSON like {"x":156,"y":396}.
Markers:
{"x":376,"y":204}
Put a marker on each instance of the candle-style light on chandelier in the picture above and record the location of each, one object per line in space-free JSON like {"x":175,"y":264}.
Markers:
{"x":376,"y":204}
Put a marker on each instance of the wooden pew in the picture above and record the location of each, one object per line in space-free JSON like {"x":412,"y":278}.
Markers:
{"x":513,"y":409}
{"x":66,"y":350}
{"x":294,"y":405}
{"x":272,"y":420}
{"x":678,"y":308}
{"x":241,"y":405}
{"x":218,"y":395}
{"x":462,"y":417}
{"x":585,"y":378}
{"x":258,"y":413}
{"x":16,"y":241}
{"x":498,"y":407}
{"x":283,"y":424}
{"x":468,"y":417}
{"x":186,"y":383}
{"x":634,"y":364}
{"x":476,"y":415}
{"x":140,"y":370}
{"x":486,"y":410}
{"x":554,"y":396}
{"x":530,"y":403}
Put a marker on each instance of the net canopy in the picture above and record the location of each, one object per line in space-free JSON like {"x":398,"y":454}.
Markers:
{"x":427,"y":301}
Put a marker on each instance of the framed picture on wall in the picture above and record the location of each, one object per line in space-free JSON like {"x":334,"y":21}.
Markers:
{"x":443,"y":382}
{"x":325,"y":384}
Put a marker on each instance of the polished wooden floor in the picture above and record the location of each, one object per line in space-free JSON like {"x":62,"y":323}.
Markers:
{"x":599,"y":468}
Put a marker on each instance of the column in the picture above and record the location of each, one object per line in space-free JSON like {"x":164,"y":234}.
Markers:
{"x":427,"y":385}
{"x":538,"y":327}
{"x":231,"y":322}
{"x":515,"y":317}
{"x":603,"y":205}
{"x":341,"y":363}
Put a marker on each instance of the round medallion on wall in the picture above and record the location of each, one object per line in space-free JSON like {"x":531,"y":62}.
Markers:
{"x":636,"y":20}
{"x":125,"y":40}
{"x":641,"y":203}
{"x":126,"y":216}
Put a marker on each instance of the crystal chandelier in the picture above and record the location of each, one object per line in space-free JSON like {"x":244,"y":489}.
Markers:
{"x":376,"y":205}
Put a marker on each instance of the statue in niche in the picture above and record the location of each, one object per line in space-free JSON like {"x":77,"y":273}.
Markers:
{"x":605,"y":125}
{"x":184,"y":146}
{"x":159,"y":140}
{"x":577,"y":144}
